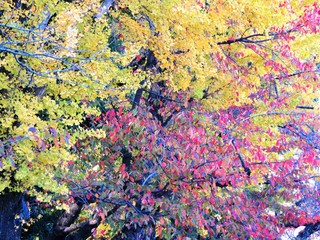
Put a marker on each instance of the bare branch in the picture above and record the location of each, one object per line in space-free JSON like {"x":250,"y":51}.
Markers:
{"x":104,"y":8}
{"x":247,"y":39}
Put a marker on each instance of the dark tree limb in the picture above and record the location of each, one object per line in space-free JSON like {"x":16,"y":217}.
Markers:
{"x":61,"y":228}
{"x":83,"y":230}
{"x":305,"y":107}
{"x":309,"y":230}
{"x":247,"y":39}
{"x":65,"y":229}
{"x":245,"y":168}
{"x":137,"y":97}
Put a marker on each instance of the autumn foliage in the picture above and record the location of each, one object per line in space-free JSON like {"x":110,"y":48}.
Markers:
{"x":166,"y":119}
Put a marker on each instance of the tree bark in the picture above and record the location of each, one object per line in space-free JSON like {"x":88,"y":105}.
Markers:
{"x":61,"y":230}
{"x":10,"y":207}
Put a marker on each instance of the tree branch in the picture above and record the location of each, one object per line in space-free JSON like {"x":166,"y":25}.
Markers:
{"x":245,"y":168}
{"x":309,"y":230}
{"x":245,"y":40}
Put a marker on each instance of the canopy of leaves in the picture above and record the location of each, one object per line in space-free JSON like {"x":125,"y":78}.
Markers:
{"x":174,"y":118}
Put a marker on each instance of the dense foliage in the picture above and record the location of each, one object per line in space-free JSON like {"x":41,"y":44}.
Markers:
{"x":160,"y":118}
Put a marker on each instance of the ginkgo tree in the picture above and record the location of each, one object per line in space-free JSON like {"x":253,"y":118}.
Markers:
{"x":50,"y":69}
{"x":160,"y":118}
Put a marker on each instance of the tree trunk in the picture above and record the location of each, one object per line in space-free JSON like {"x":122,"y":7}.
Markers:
{"x":10,"y":206}
{"x":61,"y":228}
{"x":66,"y":229}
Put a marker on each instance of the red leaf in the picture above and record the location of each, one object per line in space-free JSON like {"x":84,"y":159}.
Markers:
{"x":55,"y":142}
{"x":122,"y":168}
{"x":89,"y":195}
{"x":70,"y":163}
